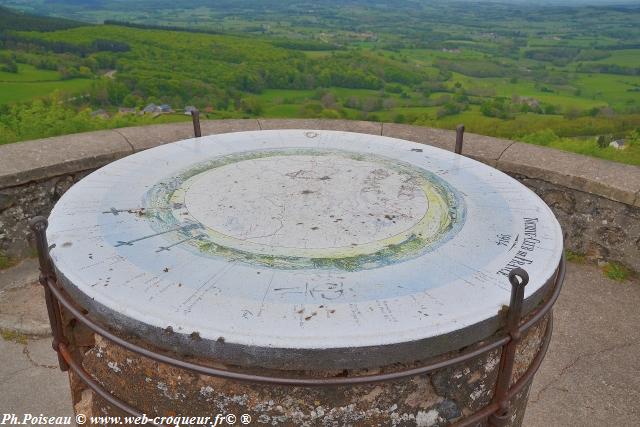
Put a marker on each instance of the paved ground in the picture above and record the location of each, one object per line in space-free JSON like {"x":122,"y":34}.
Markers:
{"x":591,"y":376}
{"x":30,"y":380}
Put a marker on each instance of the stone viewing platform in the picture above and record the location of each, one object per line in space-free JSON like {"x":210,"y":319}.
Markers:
{"x":589,"y":377}
{"x":596,"y":201}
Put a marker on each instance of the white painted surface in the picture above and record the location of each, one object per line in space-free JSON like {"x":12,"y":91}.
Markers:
{"x":257,"y":201}
{"x":302,"y":239}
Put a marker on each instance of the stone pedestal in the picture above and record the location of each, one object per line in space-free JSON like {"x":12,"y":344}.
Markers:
{"x":436,"y":399}
{"x":303,"y":253}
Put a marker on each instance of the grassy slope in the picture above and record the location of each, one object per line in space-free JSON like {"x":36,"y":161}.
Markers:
{"x":29,"y":83}
{"x":29,"y":73}
{"x":177,"y":55}
{"x":21,"y":91}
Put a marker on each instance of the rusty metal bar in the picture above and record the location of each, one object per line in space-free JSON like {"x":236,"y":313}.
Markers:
{"x":525,"y":379}
{"x":195,"y":117}
{"x":459,"y":139}
{"x":238,"y":376}
{"x":39,"y":226}
{"x":472,"y":419}
{"x":522,"y":382}
{"x":291,"y":381}
{"x":497,"y":411}
{"x":518,"y":279}
{"x":558,"y":278}
{"x":95,"y":386}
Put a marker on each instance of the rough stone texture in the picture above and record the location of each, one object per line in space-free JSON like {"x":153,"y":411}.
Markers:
{"x":597,"y":202}
{"x":29,"y":200}
{"x":426,"y":400}
{"x":600,"y":228}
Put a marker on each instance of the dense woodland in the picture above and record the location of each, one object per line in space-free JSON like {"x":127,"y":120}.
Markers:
{"x":567,"y":77}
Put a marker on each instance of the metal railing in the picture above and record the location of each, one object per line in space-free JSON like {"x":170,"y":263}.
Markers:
{"x":197,"y":132}
{"x":497,"y":412}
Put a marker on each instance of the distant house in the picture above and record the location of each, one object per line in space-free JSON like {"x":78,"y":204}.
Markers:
{"x":150,"y":109}
{"x":618,"y":144}
{"x":126,"y":110}
{"x":157,"y":109}
{"x":532,"y":102}
{"x":188,"y":109}
{"x":100,"y":113}
{"x":527,"y":100}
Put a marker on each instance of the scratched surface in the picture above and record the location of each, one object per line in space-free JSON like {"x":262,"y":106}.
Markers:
{"x":301,"y":239}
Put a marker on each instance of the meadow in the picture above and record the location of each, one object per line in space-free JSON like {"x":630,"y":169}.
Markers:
{"x":29,"y":83}
{"x":563,"y":77}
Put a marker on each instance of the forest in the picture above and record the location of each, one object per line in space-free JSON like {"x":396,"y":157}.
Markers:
{"x":562,"y":76}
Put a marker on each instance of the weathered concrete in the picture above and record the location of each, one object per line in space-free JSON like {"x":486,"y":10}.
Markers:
{"x":24,"y":273}
{"x":29,"y":161}
{"x":616,"y":181}
{"x":30,"y":381}
{"x":590,"y":376}
{"x":23,"y":309}
{"x":142,"y":138}
{"x":483,"y":148}
{"x":373,"y":128}
{"x":22,"y":306}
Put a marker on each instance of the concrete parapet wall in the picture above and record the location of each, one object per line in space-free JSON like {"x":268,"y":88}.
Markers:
{"x":596,"y":201}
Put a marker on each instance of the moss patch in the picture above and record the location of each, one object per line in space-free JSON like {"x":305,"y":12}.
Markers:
{"x":13,"y":336}
{"x":6,"y":261}
{"x":576,"y":257}
{"x":618,"y":272}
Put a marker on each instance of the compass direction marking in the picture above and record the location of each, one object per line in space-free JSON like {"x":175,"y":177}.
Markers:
{"x":131,"y":242}
{"x":138,"y":211}
{"x":168,"y":248}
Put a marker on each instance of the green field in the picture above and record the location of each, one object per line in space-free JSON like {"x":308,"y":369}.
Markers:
{"x":543,"y":74}
{"x":614,"y":89}
{"x":30,"y":82}
{"x":29,"y":73}
{"x":627,"y":57}
{"x":13,"y":91}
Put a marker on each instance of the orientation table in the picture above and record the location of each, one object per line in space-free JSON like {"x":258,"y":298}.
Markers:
{"x":300,"y":254}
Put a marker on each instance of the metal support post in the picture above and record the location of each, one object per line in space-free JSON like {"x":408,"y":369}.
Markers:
{"x":195,"y":116}
{"x":459,"y":138}
{"x":518,"y":279}
{"x":39,"y":226}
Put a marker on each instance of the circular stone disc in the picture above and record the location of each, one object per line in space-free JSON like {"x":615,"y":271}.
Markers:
{"x":301,"y":248}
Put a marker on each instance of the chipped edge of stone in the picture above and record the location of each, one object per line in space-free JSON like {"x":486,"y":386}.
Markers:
{"x":555,"y":175}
